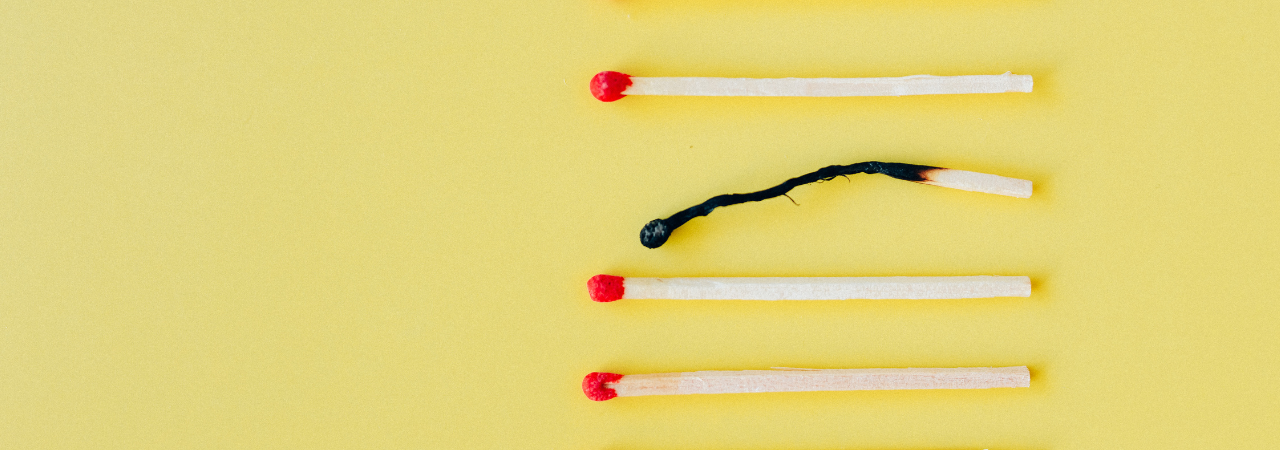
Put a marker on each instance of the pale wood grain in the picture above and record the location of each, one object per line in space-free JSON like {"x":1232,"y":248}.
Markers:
{"x":800,"y":380}
{"x":826,"y":288}
{"x":830,"y":87}
{"x":978,"y":182}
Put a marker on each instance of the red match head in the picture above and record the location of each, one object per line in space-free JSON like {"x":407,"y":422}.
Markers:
{"x":608,"y":86}
{"x":593,"y":385}
{"x":606,"y":288}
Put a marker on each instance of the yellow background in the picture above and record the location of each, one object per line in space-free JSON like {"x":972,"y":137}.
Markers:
{"x":368,"y":224}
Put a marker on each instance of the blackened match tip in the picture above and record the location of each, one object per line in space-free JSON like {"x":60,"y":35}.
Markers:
{"x":654,"y":233}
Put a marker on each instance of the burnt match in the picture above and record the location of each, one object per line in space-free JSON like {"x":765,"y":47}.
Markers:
{"x":600,"y":386}
{"x":608,"y":288}
{"x":610,"y":86}
{"x":656,"y":232}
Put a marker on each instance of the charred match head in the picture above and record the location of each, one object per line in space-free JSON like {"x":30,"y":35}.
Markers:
{"x":594,"y":385}
{"x":608,"y":86}
{"x":654,"y":233}
{"x":606,"y":288}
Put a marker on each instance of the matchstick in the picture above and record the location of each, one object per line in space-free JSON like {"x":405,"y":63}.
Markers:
{"x":600,"y":386}
{"x":608,"y":288}
{"x":656,"y":232}
{"x":611,"y":86}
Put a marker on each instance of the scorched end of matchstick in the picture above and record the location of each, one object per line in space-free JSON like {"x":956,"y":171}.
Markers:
{"x":611,"y":86}
{"x":656,"y":232}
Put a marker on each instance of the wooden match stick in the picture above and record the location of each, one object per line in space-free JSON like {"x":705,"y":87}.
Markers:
{"x":611,"y":86}
{"x":608,"y":288}
{"x":656,"y":232}
{"x":600,"y":386}
{"x":976,"y":182}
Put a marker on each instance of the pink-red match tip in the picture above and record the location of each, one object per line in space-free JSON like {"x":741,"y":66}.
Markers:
{"x":608,"y":86}
{"x":606,"y":288}
{"x":593,"y":385}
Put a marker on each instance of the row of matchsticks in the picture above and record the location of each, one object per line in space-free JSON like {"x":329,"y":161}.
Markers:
{"x":600,"y":386}
{"x":609,"y":86}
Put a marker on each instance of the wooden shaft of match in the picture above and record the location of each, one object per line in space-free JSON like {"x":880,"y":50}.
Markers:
{"x":801,"y":380}
{"x":830,"y":87}
{"x":827,"y":288}
{"x":977,"y":182}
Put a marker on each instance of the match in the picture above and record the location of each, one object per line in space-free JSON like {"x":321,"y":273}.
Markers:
{"x":601,"y":386}
{"x":609,"y":288}
{"x":656,"y":232}
{"x":611,"y":86}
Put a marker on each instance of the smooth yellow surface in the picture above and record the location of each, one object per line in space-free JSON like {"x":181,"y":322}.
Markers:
{"x":368,"y":224}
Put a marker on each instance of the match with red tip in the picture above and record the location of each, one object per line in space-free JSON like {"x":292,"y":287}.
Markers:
{"x":594,"y":385}
{"x":610,"y":86}
{"x":608,"y":288}
{"x":604,"y":386}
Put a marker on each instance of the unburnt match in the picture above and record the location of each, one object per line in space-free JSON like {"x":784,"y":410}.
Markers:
{"x":608,"y":288}
{"x":600,"y":386}
{"x":611,"y":86}
{"x":656,"y":232}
